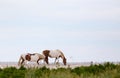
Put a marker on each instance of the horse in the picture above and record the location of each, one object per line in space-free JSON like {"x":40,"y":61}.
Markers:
{"x":54,"y":54}
{"x":24,"y":58}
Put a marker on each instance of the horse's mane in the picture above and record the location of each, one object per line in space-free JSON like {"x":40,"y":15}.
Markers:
{"x":62,"y":56}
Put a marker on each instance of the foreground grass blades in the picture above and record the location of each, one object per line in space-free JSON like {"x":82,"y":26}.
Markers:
{"x":107,"y":70}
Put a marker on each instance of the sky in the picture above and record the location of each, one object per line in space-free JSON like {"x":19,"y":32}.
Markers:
{"x":84,"y":30}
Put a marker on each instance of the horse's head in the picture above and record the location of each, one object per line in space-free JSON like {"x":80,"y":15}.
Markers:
{"x":64,"y":61}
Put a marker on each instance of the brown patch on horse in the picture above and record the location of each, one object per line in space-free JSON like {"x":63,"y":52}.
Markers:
{"x":46,"y":53}
{"x":28,"y":57}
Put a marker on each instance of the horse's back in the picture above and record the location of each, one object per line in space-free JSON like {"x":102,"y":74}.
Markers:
{"x":54,"y":53}
{"x":37,"y":56}
{"x":40,"y":55}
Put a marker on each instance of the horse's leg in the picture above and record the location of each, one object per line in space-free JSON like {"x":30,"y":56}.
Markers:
{"x":58,"y":61}
{"x":46,"y":59}
{"x":25,"y":62}
{"x":44,"y":62}
{"x":55,"y":60}
{"x":38,"y":61}
{"x":22,"y":61}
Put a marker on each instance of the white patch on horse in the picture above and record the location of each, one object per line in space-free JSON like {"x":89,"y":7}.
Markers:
{"x":54,"y":54}
{"x":34,"y":57}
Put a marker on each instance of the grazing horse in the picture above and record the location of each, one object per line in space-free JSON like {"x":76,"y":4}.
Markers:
{"x":54,"y":54}
{"x":24,"y":58}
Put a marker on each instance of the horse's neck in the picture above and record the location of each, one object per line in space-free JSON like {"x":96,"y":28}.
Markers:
{"x":56,"y":53}
{"x":62,"y":56}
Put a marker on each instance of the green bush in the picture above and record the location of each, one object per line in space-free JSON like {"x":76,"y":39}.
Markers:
{"x":94,"y":69}
{"x":106,"y":70}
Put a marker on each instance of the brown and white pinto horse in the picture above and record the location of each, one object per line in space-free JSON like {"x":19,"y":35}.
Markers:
{"x":54,"y":54}
{"x":24,"y":58}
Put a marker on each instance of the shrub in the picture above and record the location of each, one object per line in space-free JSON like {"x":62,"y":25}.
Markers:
{"x":8,"y":72}
{"x":106,"y":70}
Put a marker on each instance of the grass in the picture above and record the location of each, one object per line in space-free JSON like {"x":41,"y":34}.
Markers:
{"x":107,"y":70}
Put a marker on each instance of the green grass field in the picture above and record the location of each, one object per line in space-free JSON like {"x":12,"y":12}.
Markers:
{"x":106,"y":70}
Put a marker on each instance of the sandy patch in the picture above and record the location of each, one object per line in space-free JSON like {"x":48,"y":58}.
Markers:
{"x":51,"y":66}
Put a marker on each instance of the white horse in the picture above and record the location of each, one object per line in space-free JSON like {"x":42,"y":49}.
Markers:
{"x":24,"y":58}
{"x":54,"y":54}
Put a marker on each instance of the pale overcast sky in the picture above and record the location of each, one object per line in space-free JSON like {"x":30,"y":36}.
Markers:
{"x":85,"y":30}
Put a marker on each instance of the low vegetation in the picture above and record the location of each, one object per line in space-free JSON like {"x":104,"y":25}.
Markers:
{"x":106,"y":70}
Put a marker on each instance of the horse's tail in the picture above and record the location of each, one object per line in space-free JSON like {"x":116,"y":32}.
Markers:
{"x":19,"y":62}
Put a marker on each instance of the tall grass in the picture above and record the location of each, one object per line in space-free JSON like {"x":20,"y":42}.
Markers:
{"x":107,"y":70}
